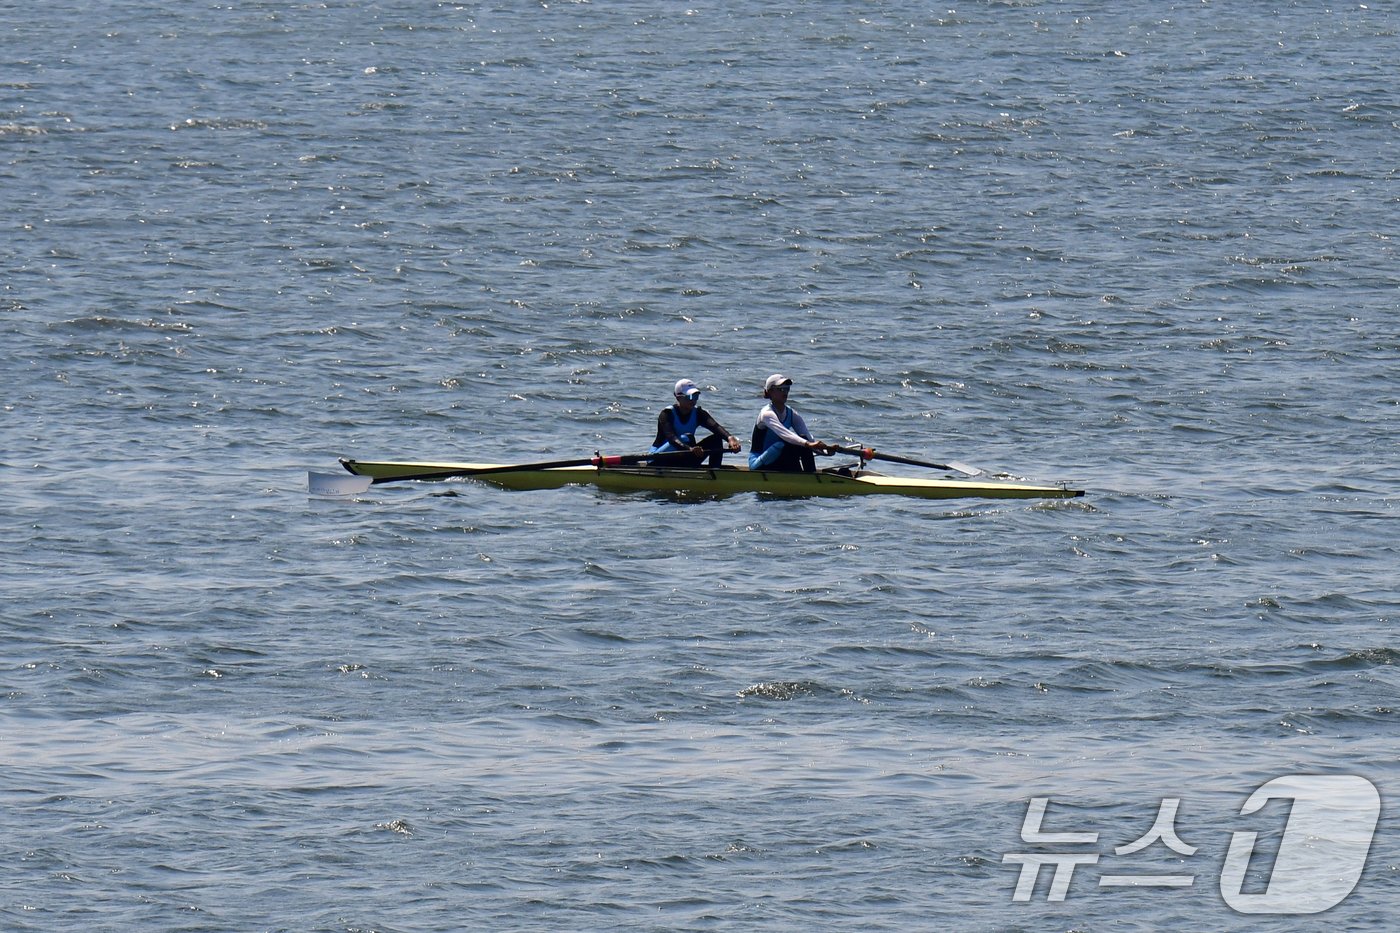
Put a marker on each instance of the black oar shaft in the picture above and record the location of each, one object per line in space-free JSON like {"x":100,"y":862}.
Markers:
{"x":597,"y":460}
{"x":869,"y":453}
{"x":911,"y":462}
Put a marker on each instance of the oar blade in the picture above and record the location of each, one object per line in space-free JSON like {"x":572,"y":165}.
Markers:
{"x":965,"y":468}
{"x":336,"y":485}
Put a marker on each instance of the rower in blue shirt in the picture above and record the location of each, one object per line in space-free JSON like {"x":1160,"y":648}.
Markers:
{"x":781,"y":440}
{"x":678,"y":424}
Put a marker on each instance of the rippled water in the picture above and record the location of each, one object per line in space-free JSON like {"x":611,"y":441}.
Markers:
{"x":1146,"y":249}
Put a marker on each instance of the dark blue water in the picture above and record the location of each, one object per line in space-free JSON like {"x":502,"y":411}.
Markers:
{"x":1147,"y":249}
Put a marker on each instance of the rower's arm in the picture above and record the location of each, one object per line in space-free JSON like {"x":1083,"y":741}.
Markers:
{"x":708,"y":421}
{"x":800,"y":427}
{"x":796,"y":436}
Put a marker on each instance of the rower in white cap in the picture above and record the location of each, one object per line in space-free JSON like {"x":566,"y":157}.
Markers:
{"x":678,"y":424}
{"x":781,"y":440}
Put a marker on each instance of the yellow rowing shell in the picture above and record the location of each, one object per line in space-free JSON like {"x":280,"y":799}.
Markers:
{"x":723,"y":481}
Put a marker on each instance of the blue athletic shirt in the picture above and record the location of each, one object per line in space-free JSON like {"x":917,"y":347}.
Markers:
{"x":674,"y":434}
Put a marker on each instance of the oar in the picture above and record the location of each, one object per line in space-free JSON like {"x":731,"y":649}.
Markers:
{"x":869,"y":453}
{"x":333,"y":485}
{"x":596,"y":460}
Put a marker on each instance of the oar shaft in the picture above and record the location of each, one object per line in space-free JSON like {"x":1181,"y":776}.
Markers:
{"x":551,"y":465}
{"x":597,"y":460}
{"x":482,"y":471}
{"x":911,"y":462}
{"x":869,"y":453}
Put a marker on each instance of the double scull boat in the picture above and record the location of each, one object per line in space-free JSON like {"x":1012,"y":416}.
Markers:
{"x":612,"y":474}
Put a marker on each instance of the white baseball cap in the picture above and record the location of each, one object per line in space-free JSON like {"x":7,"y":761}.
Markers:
{"x":687,"y":389}
{"x":777,"y":379}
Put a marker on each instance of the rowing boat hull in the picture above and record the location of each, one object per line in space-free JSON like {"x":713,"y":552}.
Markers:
{"x":724,"y":481}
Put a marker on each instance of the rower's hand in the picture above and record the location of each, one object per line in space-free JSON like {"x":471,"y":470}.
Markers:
{"x":823,"y":448}
{"x":733,"y":445}
{"x":698,"y":451}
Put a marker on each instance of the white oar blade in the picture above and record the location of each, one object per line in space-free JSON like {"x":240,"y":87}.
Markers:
{"x":964,"y":468}
{"x":336,"y":485}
